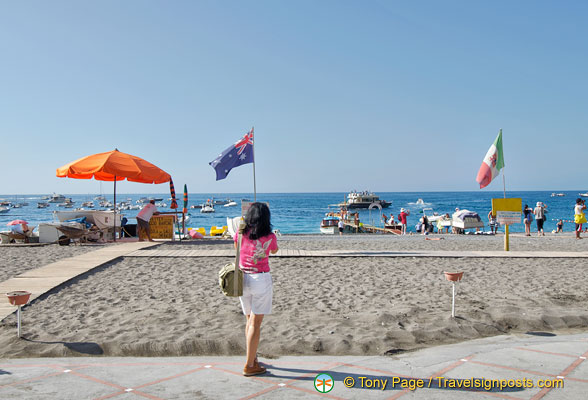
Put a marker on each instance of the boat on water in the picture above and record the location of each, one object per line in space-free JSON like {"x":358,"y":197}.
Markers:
{"x":57,"y":198}
{"x":363,"y":200}
{"x":222,"y":202}
{"x":207,"y":208}
{"x":329,"y":224}
{"x":558,"y":194}
{"x":87,"y":204}
{"x":43,"y":204}
{"x":4,"y":210}
{"x":584,"y":194}
{"x":231,"y":204}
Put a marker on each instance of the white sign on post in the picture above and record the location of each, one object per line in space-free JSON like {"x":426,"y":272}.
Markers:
{"x":508,"y":217}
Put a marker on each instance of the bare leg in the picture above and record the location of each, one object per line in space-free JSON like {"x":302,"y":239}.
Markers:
{"x":252,"y":332}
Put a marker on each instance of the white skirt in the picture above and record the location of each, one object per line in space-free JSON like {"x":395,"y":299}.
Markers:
{"x":257,"y":294}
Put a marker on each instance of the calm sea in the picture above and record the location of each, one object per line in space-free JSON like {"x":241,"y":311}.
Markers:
{"x":301,"y":213}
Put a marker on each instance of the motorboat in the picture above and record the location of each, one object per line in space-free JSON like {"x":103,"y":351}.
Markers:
{"x":57,"y":198}
{"x":4,"y":210}
{"x":88,"y":204}
{"x":420,"y":202}
{"x":584,"y":194}
{"x":559,"y":194}
{"x":42,"y":204}
{"x":330,"y":224}
{"x":231,"y":204}
{"x":363,"y":200}
{"x":222,"y":202}
{"x":196,"y":206}
{"x":68,"y":203}
{"x":207,"y":208}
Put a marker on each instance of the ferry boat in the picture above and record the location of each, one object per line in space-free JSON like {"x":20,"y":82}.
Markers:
{"x":363,"y":200}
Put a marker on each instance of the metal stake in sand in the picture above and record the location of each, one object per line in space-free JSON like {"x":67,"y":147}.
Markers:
{"x":18,"y":298}
{"x":453,"y":277}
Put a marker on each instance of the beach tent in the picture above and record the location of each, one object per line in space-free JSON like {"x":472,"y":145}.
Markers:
{"x":114,"y":166}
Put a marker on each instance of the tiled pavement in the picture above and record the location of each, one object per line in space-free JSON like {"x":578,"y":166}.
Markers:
{"x":559,"y":359}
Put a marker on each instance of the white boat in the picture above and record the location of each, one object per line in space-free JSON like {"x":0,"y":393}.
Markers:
{"x":207,"y":208}
{"x":43,"y":204}
{"x":102,"y":219}
{"x":363,"y":200}
{"x":231,"y":204}
{"x":57,"y":198}
{"x":330,"y":225}
{"x":88,"y":204}
{"x":584,"y":194}
{"x":4,"y":210}
{"x":465,"y":219}
{"x":558,"y":194}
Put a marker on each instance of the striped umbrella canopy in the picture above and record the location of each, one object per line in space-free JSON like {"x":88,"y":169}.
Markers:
{"x":172,"y":191}
{"x":185,"y":210}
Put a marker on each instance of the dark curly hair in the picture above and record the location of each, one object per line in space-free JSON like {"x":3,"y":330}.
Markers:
{"x":257,"y":221}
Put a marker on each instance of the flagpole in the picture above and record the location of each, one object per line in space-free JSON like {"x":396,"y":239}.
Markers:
{"x":254,"y":185}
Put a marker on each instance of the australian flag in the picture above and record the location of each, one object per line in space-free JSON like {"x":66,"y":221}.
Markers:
{"x":238,"y":154}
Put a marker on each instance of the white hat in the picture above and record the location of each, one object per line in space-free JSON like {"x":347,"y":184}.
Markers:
{"x":402,"y":210}
{"x":538,"y":204}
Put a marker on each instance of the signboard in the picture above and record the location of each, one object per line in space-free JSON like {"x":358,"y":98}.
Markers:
{"x":162,"y":226}
{"x":507,"y":211}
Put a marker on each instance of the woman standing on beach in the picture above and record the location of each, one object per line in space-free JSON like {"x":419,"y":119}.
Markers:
{"x":528,"y":219}
{"x":579,"y":217}
{"x":257,"y":243}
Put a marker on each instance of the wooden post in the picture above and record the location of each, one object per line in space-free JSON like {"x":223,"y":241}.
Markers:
{"x":506,"y":247}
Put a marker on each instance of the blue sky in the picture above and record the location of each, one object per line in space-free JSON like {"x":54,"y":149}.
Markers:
{"x":385,"y":95}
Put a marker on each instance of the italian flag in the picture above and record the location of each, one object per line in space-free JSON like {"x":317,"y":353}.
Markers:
{"x":492,"y":164}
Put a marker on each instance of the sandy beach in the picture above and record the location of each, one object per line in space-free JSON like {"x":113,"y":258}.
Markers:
{"x":334,"y":305}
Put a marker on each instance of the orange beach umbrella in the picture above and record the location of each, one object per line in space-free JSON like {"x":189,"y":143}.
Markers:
{"x":114,"y":166}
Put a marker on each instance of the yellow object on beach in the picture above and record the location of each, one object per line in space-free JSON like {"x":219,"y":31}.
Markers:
{"x":214,"y":231}
{"x":201,"y":230}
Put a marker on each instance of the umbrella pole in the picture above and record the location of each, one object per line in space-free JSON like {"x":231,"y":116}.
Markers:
{"x":114,"y":221}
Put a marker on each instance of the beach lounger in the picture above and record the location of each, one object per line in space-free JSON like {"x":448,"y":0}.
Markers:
{"x":11,"y":237}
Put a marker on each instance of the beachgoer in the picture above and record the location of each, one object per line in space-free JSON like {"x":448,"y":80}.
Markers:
{"x":341,"y":226}
{"x":579,"y":216}
{"x":23,"y":229}
{"x":559,"y":226}
{"x":528,"y":213}
{"x":258,"y":242}
{"x":403,"y":217}
{"x":143,"y":219}
{"x":384,"y":219}
{"x":391,"y":220}
{"x":492,"y":222}
{"x":424,"y":225}
{"x":540,"y":217}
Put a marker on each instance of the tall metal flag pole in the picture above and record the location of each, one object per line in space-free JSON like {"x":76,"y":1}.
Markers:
{"x":254,"y":186}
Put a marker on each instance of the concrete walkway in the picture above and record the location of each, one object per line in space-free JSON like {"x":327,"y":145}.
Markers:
{"x":42,"y":280}
{"x":528,"y":366}
{"x":364,"y":253}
